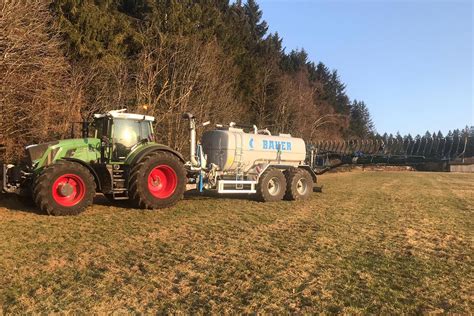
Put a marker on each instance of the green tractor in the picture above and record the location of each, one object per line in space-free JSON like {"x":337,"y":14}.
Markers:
{"x":121,"y":160}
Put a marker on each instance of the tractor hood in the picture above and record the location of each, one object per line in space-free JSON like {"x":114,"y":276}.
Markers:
{"x":85,"y":149}
{"x":35,"y":152}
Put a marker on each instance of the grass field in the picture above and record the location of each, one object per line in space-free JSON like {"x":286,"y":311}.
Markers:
{"x":372,"y":242}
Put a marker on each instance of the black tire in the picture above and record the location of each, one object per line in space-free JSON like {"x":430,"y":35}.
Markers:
{"x":43,"y":189}
{"x":299,"y":184}
{"x":271,"y":186}
{"x":140,"y":193}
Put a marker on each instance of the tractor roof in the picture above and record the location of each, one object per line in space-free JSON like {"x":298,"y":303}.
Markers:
{"x":121,"y":114}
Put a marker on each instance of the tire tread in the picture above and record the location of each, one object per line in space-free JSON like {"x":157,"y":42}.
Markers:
{"x":42,"y":188}
{"x":137,"y":190}
{"x":262,"y":191}
{"x":292,"y":176}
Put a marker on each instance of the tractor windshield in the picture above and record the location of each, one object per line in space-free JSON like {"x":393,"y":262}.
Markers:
{"x":127,"y":133}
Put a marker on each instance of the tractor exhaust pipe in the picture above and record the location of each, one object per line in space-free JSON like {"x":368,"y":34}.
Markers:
{"x":192,"y":140}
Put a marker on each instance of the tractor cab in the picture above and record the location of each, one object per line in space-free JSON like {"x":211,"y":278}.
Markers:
{"x":121,"y":132}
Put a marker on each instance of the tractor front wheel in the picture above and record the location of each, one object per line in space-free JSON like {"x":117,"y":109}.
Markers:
{"x":64,"y":188}
{"x":158,"y":181}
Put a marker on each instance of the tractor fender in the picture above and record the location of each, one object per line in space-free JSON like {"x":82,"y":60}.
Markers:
{"x":158,"y":147}
{"x":92,"y":171}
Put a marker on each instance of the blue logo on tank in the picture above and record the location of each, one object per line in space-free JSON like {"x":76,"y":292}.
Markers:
{"x":276,"y":145}
{"x":251,"y":143}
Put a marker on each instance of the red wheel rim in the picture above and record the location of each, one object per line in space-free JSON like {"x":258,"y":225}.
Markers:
{"x":68,"y":190}
{"x":162,"y":181}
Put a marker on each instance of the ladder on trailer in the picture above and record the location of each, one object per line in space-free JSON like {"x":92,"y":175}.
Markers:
{"x":239,"y":175}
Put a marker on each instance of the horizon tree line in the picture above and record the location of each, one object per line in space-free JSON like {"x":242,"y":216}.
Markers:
{"x":64,"y":60}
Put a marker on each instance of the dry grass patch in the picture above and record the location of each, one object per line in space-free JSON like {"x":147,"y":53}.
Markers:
{"x":373,"y":242}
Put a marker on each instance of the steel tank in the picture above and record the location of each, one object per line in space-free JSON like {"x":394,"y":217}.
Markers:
{"x":233,"y":149}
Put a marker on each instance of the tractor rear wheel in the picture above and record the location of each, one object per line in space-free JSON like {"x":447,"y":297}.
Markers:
{"x":299,"y":184}
{"x":158,"y":181}
{"x":64,"y":188}
{"x":271,"y":186}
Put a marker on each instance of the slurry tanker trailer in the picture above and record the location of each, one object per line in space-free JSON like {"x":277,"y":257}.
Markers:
{"x":230,"y":160}
{"x":122,"y":161}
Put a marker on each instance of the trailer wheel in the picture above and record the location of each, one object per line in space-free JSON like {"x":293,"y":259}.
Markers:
{"x":299,"y":184}
{"x":158,"y":181}
{"x":64,"y":188}
{"x":271,"y":186}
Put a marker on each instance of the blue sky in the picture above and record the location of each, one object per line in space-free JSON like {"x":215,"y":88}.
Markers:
{"x":410,"y":61}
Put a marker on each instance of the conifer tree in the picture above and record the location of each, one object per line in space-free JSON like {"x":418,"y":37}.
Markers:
{"x":257,"y":27}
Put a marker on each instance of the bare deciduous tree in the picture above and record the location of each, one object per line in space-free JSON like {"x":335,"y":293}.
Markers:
{"x":184,"y":75}
{"x":34,"y":80}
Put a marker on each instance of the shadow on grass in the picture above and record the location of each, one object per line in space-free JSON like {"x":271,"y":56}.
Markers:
{"x":17,"y":203}
{"x":190,"y":195}
{"x":207,"y":195}
{"x":101,"y":200}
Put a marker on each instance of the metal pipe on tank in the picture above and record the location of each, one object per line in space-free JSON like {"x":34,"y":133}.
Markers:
{"x":192,"y":132}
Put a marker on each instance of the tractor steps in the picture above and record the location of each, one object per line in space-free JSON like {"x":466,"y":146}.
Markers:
{"x":119,"y":184}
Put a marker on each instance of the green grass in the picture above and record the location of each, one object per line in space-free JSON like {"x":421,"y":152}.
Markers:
{"x":372,"y":242}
